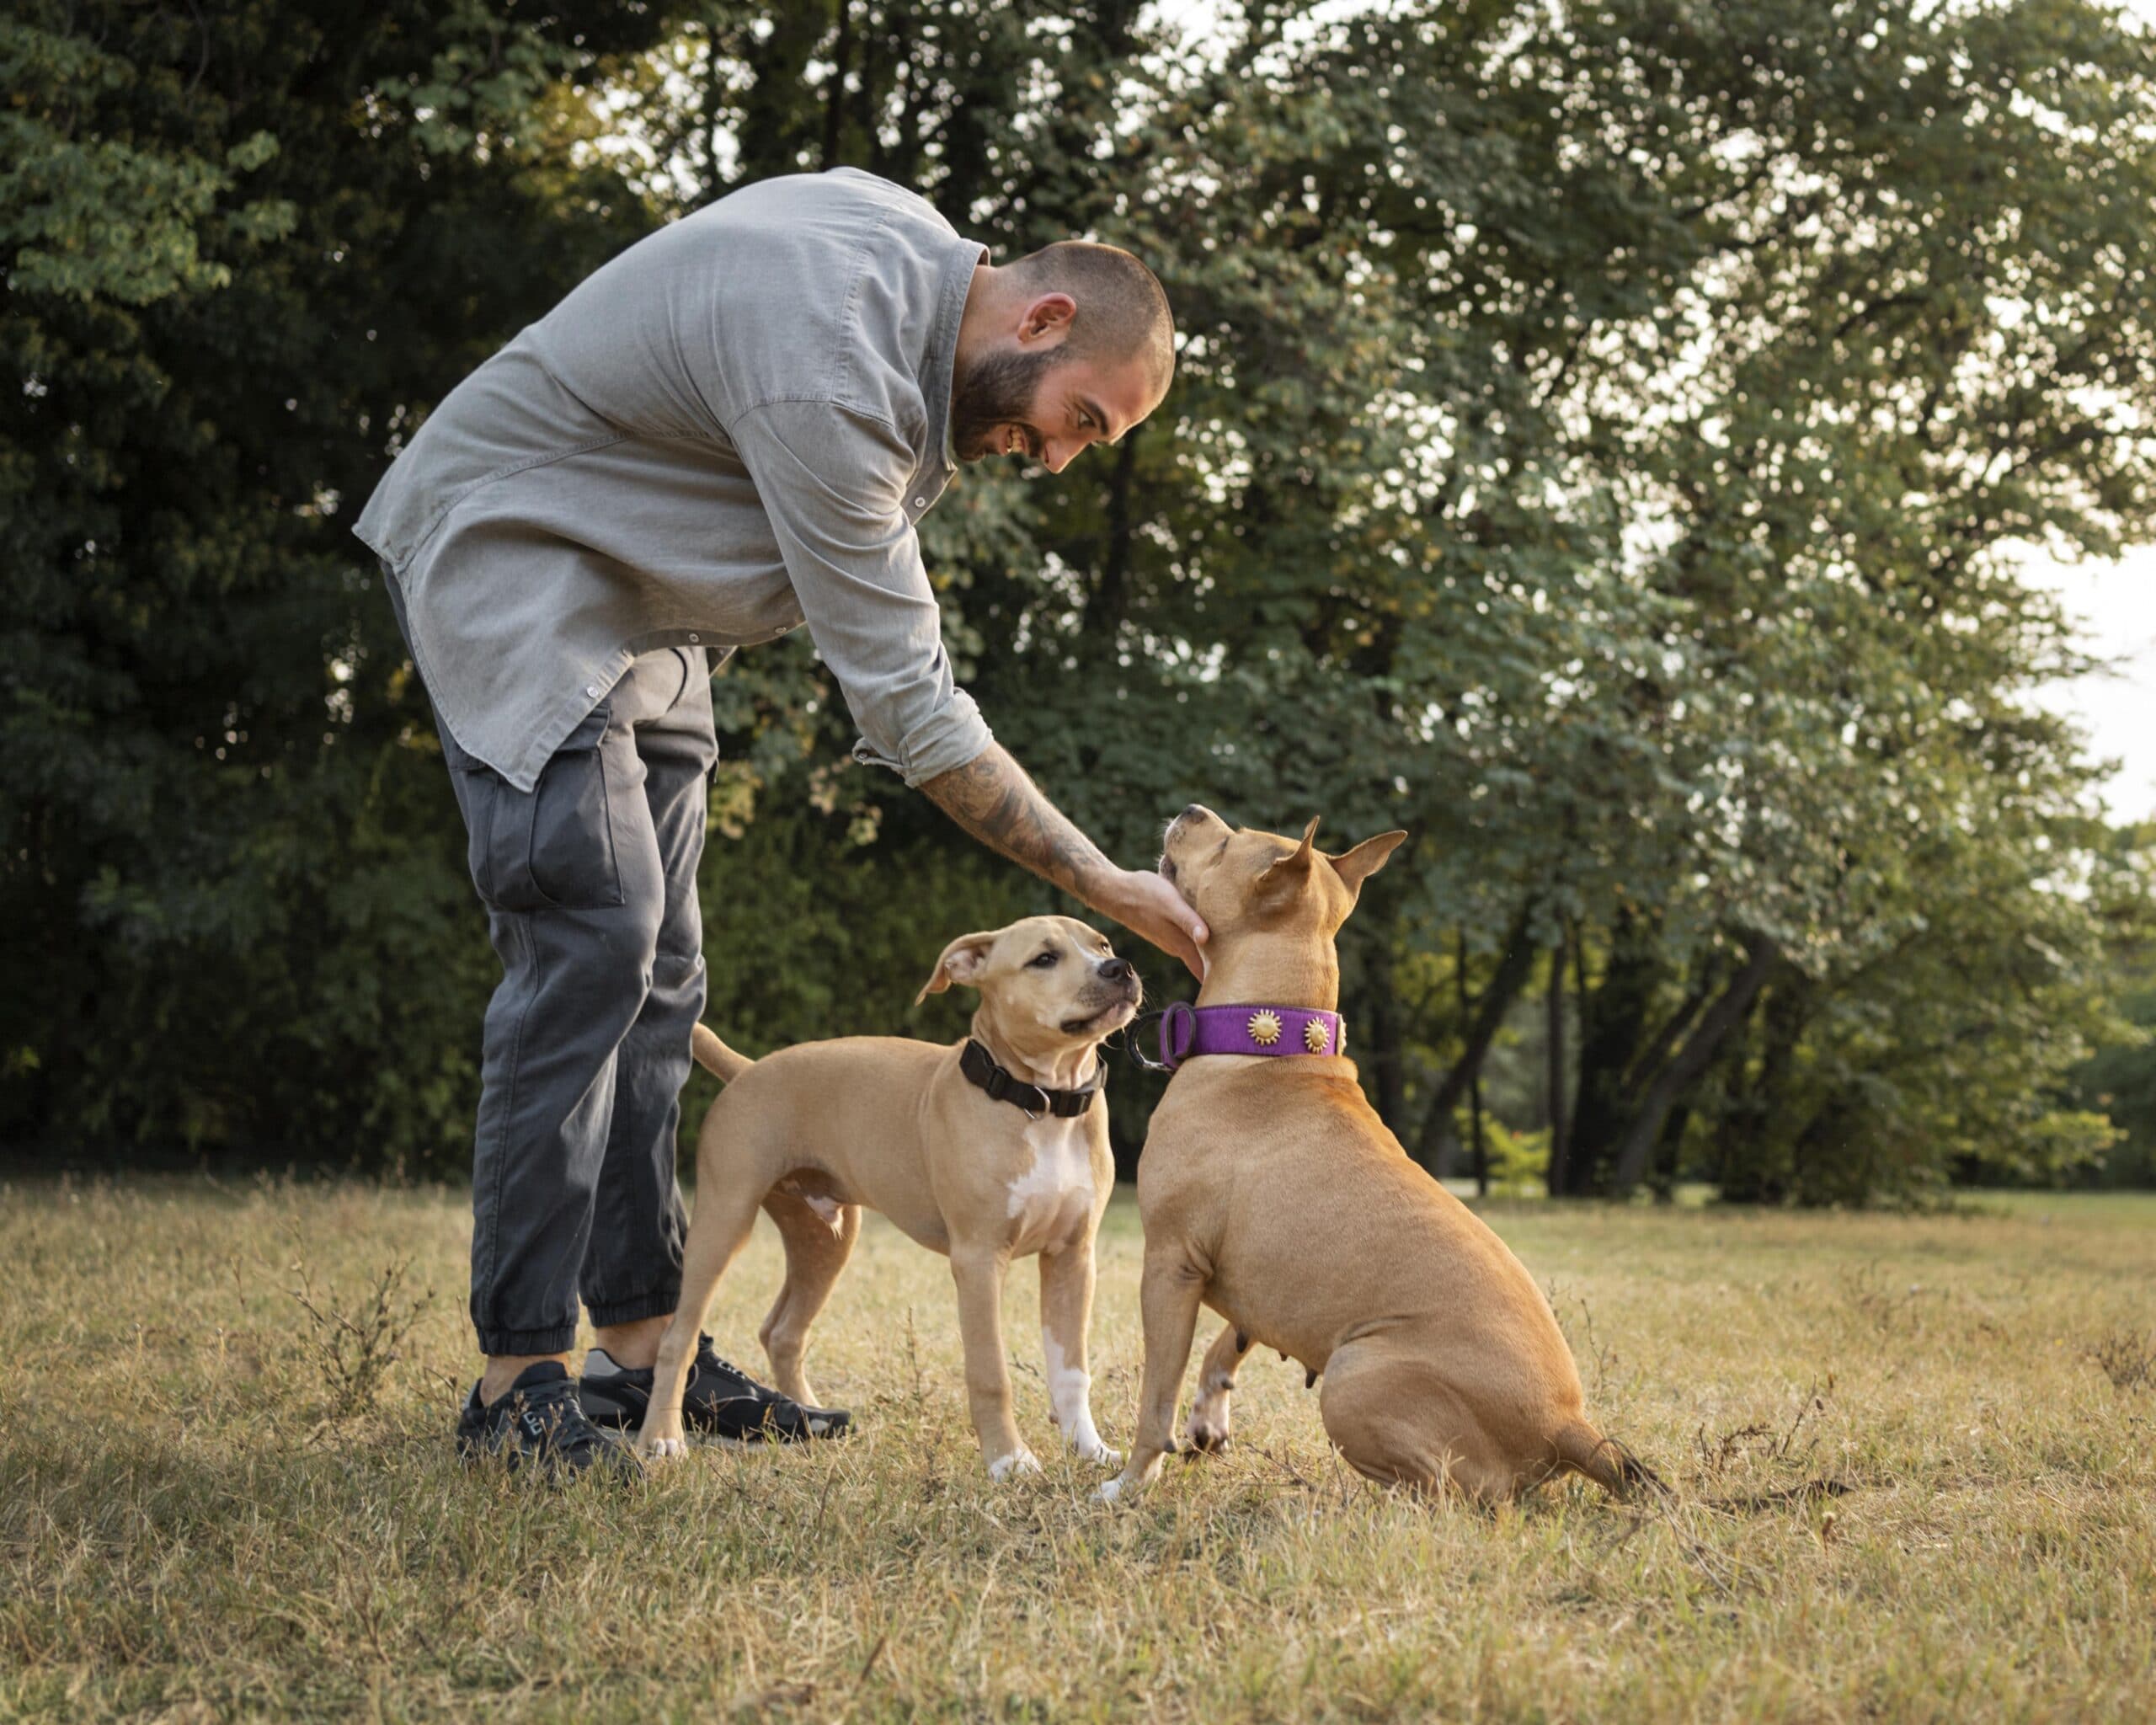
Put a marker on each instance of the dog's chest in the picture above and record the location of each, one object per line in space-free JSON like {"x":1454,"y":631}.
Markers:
{"x":1051,"y":1201}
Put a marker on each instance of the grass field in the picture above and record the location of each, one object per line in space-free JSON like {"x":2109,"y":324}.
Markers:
{"x":192,"y":1527}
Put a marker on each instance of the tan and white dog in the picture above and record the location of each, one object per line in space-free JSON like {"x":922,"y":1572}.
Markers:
{"x":1272,"y":1193}
{"x":814,"y":1132}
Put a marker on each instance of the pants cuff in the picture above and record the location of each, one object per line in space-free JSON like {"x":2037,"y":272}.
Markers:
{"x":558,"y":1340}
{"x":642,"y":1305}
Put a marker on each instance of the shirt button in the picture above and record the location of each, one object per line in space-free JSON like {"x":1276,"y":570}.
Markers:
{"x":591,"y":691}
{"x":695,"y":639}
{"x":921,"y":502}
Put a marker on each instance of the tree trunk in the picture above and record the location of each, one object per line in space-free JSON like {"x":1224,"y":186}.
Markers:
{"x":835,"y":92}
{"x":1759,"y":1139}
{"x":1613,"y":1018}
{"x":1761,"y":955}
{"x":1498,"y":997}
{"x":1554,"y":1003}
{"x":1380,"y":1045}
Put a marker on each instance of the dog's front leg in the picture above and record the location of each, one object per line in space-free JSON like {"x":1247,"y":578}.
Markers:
{"x":1066,"y":1315}
{"x":979,"y":1276}
{"x":1168,"y":1300}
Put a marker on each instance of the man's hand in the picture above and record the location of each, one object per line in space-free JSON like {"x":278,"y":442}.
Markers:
{"x":992,"y":798}
{"x":1145,"y":904}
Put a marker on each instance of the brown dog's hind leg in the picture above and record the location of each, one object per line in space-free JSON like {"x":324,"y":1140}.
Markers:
{"x":816,"y":1251}
{"x":1208,"y":1424}
{"x":1396,"y":1422}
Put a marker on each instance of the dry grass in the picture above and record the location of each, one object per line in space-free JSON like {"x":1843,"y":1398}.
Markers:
{"x":191,"y":1527}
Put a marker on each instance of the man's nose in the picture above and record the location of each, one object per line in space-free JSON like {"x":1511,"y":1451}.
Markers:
{"x":1056,"y":456}
{"x":1116,"y":970}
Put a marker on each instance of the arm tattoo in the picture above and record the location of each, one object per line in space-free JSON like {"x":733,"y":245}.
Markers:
{"x":992,"y":798}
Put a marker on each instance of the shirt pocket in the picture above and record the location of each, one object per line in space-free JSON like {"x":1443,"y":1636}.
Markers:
{"x":551,"y":847}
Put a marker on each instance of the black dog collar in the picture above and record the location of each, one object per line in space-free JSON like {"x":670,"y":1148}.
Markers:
{"x":980,"y":1068}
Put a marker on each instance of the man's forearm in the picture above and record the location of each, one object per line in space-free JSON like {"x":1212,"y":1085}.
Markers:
{"x":992,"y":798}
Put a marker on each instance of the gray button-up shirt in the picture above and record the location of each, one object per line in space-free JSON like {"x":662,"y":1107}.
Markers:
{"x":731,"y":428}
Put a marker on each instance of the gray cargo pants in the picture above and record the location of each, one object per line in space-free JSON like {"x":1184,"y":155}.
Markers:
{"x":590,"y":884}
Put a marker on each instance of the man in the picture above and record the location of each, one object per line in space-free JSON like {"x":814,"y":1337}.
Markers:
{"x":731,"y":429}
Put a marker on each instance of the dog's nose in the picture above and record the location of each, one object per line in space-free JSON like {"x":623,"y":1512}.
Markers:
{"x":1190,"y":809}
{"x":1116,"y":970}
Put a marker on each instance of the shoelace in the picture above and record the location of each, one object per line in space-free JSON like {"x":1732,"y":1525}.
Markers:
{"x":554,"y":1412}
{"x":708,"y":1355}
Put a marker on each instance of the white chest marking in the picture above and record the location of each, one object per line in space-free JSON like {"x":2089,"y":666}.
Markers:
{"x":1052,"y":1201}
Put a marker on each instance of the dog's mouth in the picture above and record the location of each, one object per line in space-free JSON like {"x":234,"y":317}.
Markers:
{"x":1109,"y":1020}
{"x":1168,"y":868}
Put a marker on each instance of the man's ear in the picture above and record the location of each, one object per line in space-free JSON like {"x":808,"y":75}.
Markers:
{"x":1358,"y":865}
{"x":1289,"y":873}
{"x":1048,"y":314}
{"x":963,"y":961}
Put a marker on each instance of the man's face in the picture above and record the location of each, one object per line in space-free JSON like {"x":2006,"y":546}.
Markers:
{"x":1035,"y":403}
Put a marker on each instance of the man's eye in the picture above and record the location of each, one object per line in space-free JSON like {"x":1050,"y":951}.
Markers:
{"x":1045,"y":961}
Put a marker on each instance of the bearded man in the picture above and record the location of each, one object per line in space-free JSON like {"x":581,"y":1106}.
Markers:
{"x":731,"y":430}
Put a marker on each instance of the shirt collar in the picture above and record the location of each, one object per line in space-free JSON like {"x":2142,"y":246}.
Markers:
{"x":965,"y":257}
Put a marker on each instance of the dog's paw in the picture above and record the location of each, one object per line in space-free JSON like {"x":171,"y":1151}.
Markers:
{"x":1019,"y":1460}
{"x":1109,"y":1490}
{"x":1098,"y":1454}
{"x":662,"y":1449}
{"x":1205,"y":1432}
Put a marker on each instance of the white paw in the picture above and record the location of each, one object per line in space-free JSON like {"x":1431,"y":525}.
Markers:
{"x":664,"y":1449}
{"x":1101,"y":1455}
{"x":1110,"y":1490}
{"x":1017,"y":1461}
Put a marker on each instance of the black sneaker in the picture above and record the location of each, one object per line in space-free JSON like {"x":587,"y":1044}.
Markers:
{"x":539,"y":1424}
{"x":720,"y":1400}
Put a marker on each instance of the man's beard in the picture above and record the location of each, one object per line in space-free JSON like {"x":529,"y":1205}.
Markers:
{"x":998,"y":389}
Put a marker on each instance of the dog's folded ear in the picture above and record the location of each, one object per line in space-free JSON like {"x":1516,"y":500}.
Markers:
{"x":963,"y":961}
{"x":1358,"y":865}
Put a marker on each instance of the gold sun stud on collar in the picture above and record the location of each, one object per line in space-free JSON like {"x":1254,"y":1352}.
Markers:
{"x":1316,"y":1036}
{"x":1264,"y":1028}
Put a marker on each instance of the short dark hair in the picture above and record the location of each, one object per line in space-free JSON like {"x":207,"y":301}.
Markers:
{"x":1122,"y":309}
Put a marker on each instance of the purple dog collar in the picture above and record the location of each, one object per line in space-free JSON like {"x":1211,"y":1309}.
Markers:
{"x":1187,"y":1030}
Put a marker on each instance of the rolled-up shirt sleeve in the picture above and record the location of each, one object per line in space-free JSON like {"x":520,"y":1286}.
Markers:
{"x":832,"y":482}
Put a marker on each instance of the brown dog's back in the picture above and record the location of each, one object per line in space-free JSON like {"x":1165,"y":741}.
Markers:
{"x":1321,"y":1238}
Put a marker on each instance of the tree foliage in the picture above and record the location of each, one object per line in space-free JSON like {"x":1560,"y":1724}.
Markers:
{"x":1601,"y":441}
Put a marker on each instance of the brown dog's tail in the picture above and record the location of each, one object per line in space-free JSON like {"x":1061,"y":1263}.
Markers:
{"x":715,"y":1057}
{"x":1604,"y":1460}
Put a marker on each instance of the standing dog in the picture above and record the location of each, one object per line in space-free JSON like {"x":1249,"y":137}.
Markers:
{"x":985,"y":1150}
{"x":1273,"y":1193}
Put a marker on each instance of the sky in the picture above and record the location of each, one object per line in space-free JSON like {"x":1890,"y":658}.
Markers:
{"x":2117,"y":604}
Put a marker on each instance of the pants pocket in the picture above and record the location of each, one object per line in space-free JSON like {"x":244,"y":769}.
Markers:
{"x":551,"y":847}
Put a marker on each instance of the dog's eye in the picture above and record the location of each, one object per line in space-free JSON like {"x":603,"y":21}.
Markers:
{"x":1045,"y":961}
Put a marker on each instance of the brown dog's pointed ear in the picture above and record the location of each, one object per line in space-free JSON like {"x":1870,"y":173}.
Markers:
{"x":1285,"y":877}
{"x":1296,"y":861}
{"x":963,"y":961}
{"x":1358,"y":865}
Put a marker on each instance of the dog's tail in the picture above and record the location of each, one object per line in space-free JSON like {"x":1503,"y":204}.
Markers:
{"x":1604,"y":1460}
{"x":715,"y":1057}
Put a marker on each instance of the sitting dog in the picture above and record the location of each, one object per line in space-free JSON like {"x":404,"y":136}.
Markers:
{"x":985,"y":1151}
{"x":1272,"y":1193}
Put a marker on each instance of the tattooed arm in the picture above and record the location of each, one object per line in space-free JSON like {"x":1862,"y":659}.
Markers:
{"x":992,"y":797}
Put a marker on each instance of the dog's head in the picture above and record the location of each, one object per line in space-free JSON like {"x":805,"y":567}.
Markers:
{"x":1049,"y":986}
{"x":1243,"y":881}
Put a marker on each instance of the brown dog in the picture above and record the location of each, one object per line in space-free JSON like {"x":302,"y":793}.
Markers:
{"x":815,"y":1132}
{"x":1273,"y":1193}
